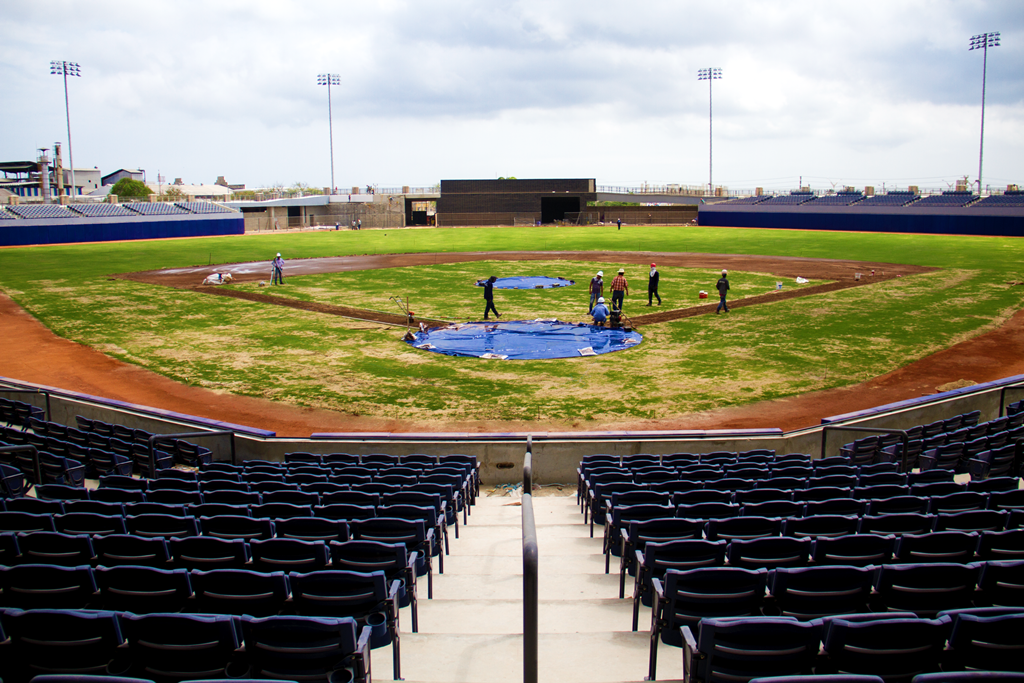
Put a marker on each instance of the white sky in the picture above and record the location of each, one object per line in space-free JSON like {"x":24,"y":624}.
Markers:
{"x":844,"y":93}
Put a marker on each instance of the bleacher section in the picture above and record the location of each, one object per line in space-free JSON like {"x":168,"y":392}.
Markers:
{"x":1010,"y":199}
{"x":40,"y":211}
{"x":100,"y":210}
{"x":154,"y":208}
{"x":839,"y":199}
{"x":947,"y":199}
{"x":792,"y":199}
{"x":30,"y":211}
{"x":751,"y":200}
{"x":203,"y":207}
{"x":754,"y":563}
{"x":891,"y":199}
{"x":817,"y":542}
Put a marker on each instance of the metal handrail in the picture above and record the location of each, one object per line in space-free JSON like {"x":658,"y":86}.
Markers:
{"x":1002,"y":396}
{"x":874,"y":430}
{"x":35,"y":458}
{"x":531,"y":571}
{"x":185,"y":435}
{"x":46,"y":395}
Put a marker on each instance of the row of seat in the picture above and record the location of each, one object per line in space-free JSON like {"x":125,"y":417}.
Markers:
{"x":652,"y":559}
{"x":175,"y":647}
{"x":689,"y":599}
{"x":865,"y":648}
{"x":940,"y":497}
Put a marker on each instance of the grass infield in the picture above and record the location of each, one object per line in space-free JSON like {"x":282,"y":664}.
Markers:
{"x":755,"y":353}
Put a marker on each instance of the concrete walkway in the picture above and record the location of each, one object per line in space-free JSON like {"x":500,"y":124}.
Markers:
{"x":471,"y":632}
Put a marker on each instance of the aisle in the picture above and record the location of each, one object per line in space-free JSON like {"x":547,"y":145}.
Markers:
{"x":471,"y":632}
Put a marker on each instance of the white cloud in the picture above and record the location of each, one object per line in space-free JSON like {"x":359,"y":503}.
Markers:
{"x":874,"y":91}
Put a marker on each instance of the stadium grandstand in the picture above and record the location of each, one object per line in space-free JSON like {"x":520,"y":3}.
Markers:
{"x":891,"y":551}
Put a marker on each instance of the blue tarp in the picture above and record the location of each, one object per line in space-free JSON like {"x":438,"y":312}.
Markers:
{"x":524,"y":339}
{"x":528,"y":282}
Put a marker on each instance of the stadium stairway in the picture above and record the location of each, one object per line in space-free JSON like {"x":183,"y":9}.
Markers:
{"x":471,"y":632}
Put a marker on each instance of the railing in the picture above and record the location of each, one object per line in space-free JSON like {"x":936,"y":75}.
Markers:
{"x":531,"y":571}
{"x":721,"y":191}
{"x":46,"y":396}
{"x":874,"y":430}
{"x":1002,"y":396}
{"x":156,"y":438}
{"x":35,"y":458}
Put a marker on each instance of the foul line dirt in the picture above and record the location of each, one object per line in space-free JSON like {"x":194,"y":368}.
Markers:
{"x":34,"y":354}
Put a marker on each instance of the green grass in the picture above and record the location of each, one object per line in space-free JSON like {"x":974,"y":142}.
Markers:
{"x":694,"y":364}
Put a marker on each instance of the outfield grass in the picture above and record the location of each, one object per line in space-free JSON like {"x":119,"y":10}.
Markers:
{"x":317,"y":360}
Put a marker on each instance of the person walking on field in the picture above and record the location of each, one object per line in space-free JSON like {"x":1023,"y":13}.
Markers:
{"x":723,"y":286}
{"x":652,"y":284}
{"x":277,"y":276}
{"x":620,"y":224}
{"x":489,"y":297}
{"x":620,"y":288}
{"x":596,"y":289}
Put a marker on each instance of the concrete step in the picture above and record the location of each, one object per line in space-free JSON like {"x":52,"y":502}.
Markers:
{"x":471,"y":632}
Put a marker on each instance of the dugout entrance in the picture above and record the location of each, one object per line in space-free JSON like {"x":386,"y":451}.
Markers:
{"x":554,"y":208}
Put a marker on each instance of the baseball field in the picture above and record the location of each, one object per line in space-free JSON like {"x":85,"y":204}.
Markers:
{"x":928,"y":293}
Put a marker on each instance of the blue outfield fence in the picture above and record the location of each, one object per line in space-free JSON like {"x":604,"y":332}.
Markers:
{"x":975,"y":220}
{"x":22,"y":232}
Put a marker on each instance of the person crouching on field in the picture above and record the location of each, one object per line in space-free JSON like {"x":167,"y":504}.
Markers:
{"x":489,"y":297}
{"x":600,"y":312}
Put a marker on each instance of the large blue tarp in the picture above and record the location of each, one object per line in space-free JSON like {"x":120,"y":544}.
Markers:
{"x":528,"y":282}
{"x":524,"y":339}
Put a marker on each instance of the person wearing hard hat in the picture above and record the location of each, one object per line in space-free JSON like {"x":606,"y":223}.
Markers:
{"x":723,"y":286}
{"x":277,"y":276}
{"x":596,"y":289}
{"x":652,"y":284}
{"x":620,"y":288}
{"x":600,"y":312}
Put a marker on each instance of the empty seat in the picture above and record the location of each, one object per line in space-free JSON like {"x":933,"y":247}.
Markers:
{"x":738,"y":649}
{"x":684,"y":598}
{"x":1001,"y":584}
{"x":858,"y":550}
{"x":288,"y":555}
{"x":143,"y":590}
{"x":814,"y":592}
{"x":769,"y":552}
{"x":207,"y":552}
{"x":46,"y":586}
{"x":307,"y":648}
{"x":87,"y":642}
{"x":48,"y":547}
{"x":116,"y":549}
{"x":820,"y":525}
{"x":239,"y":591}
{"x":926,"y":589}
{"x":895,"y":649}
{"x":942,"y":546}
{"x":175,"y":647}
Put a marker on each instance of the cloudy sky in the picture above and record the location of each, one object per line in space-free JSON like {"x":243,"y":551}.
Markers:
{"x":838,"y":93}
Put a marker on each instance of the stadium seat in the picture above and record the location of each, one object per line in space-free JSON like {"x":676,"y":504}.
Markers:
{"x":48,"y":547}
{"x":116,"y":550}
{"x":175,"y":647}
{"x":288,"y":555}
{"x":740,"y":648}
{"x":814,"y":592}
{"x":207,"y":553}
{"x":926,"y":589}
{"x":307,"y":648}
{"x":46,"y":586}
{"x":656,"y":558}
{"x":143,"y":590}
{"x":88,"y":642}
{"x":896,"y":649}
{"x":239,"y":591}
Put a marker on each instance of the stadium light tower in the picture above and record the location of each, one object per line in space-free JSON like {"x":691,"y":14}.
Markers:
{"x":710,"y":74}
{"x":66,"y":69}
{"x":329,"y":80}
{"x":983,"y":41}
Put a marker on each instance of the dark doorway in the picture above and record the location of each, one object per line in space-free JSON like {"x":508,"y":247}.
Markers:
{"x":554,"y":208}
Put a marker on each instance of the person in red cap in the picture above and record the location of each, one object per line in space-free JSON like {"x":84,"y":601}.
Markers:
{"x":652,"y":285}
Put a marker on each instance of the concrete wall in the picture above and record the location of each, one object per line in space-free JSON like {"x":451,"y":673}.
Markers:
{"x":556,"y":455}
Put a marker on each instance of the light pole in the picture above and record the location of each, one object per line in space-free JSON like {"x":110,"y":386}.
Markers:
{"x":66,"y":69}
{"x":983,"y":41}
{"x":329,"y":80}
{"x":710,"y":74}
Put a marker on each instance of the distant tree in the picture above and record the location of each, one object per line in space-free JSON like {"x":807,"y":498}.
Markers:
{"x":128,"y":187}
{"x":511,"y":177}
{"x":174,"y":193}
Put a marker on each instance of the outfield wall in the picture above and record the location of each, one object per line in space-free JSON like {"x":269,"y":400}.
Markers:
{"x":26,"y":231}
{"x":1007,"y":222}
{"x":556,"y":455}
